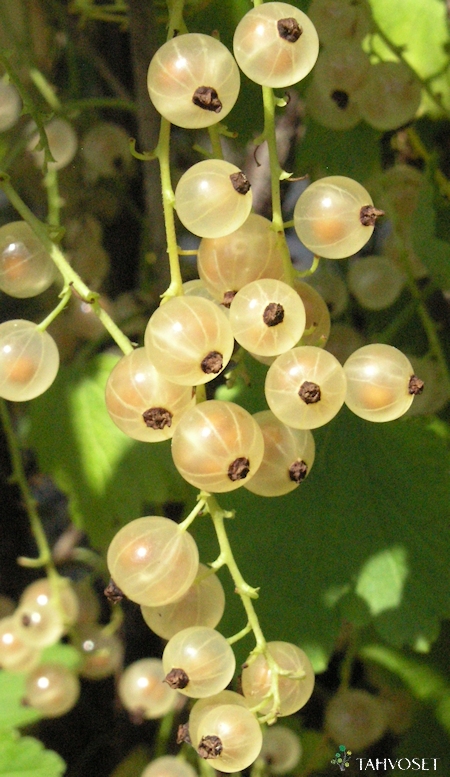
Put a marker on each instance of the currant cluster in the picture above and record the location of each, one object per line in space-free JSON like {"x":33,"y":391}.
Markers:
{"x":346,"y":87}
{"x":247,"y":300}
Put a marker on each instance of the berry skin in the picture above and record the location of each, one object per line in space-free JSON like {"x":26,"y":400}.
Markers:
{"x":213,"y":198}
{"x":26,"y":268}
{"x":152,"y":561}
{"x":294,"y":692}
{"x":204,"y":657}
{"x":276,"y":45}
{"x":143,"y":403}
{"x":29,"y":360}
{"x":202,"y":605}
{"x":217,"y":446}
{"x":193,"y":81}
{"x":251,"y":252}
{"x":189,"y":340}
{"x":305,"y":387}
{"x":327,"y":217}
{"x":267,"y":317}
{"x":288,"y":457}
{"x":378,"y":378}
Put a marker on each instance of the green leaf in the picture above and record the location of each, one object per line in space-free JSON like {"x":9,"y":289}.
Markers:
{"x":424,"y":682}
{"x":420,"y":28}
{"x":12,"y":713}
{"x":369,"y":493}
{"x":27,"y":757}
{"x":66,"y":655}
{"x":354,"y":153}
{"x":109,"y":477}
{"x":434,"y":252}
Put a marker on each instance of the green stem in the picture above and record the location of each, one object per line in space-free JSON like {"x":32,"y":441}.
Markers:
{"x":71,"y":278}
{"x":163,"y":734}
{"x":65,"y":297}
{"x":276,"y":173}
{"x":53,"y":198}
{"x":18,"y":476}
{"x":162,"y":153}
{"x":192,"y":515}
{"x":247,"y":593}
{"x":216,"y":145}
{"x":46,"y":89}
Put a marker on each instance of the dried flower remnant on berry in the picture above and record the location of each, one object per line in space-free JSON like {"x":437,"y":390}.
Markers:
{"x":228,"y":298}
{"x":207,"y":98}
{"x":212,"y":363}
{"x":341,"y":98}
{"x":210,"y":747}
{"x":298,"y":471}
{"x":239,"y":469}
{"x":416,"y":385}
{"x":369,"y":214}
{"x":240,"y":182}
{"x":273,"y":314}
{"x":157,"y":417}
{"x":289,"y":29}
{"x":183,"y":734}
{"x":177,"y":678}
{"x":113,"y":592}
{"x":309,"y":392}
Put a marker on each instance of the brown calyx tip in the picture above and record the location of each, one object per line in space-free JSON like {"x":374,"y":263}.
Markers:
{"x":157,"y":417}
{"x":298,"y":471}
{"x":210,"y":747}
{"x":240,"y":182}
{"x":415,"y":385}
{"x":369,"y":214}
{"x":213,"y":362}
{"x":239,"y":469}
{"x":177,"y":678}
{"x":25,"y":620}
{"x":309,"y":392}
{"x":207,"y":98}
{"x":341,"y":98}
{"x":289,"y":29}
{"x":113,"y":592}
{"x":228,"y":298}
{"x":273,"y":314}
{"x":183,"y":734}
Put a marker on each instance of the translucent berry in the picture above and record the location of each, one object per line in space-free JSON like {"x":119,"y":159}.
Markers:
{"x":143,"y":403}
{"x":288,"y":457}
{"x":198,"y":661}
{"x":378,"y":382}
{"x":29,"y":360}
{"x":305,"y":387}
{"x":193,"y":81}
{"x":294,"y":692}
{"x":329,"y":217}
{"x":267,"y":317}
{"x":202,"y":605}
{"x":213,"y":198}
{"x":142,"y":689}
{"x":217,"y":446}
{"x":152,"y":561}
{"x":189,"y":340}
{"x":276,"y":45}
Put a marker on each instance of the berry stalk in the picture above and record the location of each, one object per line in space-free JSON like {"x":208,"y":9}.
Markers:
{"x":71,"y":278}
